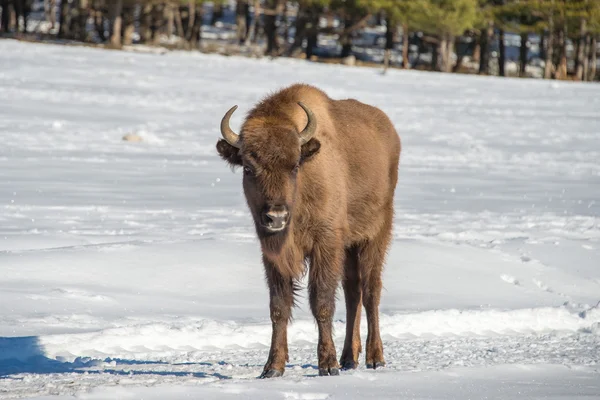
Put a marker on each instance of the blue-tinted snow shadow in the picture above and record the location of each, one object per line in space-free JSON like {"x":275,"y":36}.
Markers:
{"x":19,"y":355}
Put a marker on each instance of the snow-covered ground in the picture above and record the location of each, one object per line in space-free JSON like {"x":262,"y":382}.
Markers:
{"x":131,"y":270}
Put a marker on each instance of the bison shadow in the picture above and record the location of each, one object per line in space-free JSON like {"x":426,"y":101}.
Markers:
{"x":25,"y":355}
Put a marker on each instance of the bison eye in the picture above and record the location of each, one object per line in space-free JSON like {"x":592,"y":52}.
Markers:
{"x":248,"y":171}
{"x":295,"y":169}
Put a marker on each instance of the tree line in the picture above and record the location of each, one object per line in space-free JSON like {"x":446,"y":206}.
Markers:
{"x":450,"y":30}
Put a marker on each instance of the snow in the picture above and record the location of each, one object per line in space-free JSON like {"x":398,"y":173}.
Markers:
{"x":131,"y":270}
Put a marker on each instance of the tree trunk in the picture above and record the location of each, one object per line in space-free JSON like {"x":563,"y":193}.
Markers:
{"x":252,"y":30}
{"x":586,"y":57}
{"x":549,"y":66}
{"x":74,"y":19}
{"x":50,"y":11}
{"x":5,"y":16}
{"x":170,"y":20}
{"x":523,"y":54}
{"x":25,"y":9}
{"x":434,"y":57}
{"x":580,"y":50}
{"x":178,"y":22}
{"x":240,"y":20}
{"x":346,"y":38}
{"x":449,"y":52}
{"x":300,"y":25}
{"x":543,"y":40}
{"x":128,"y":25}
{"x":286,"y":23}
{"x":502,"y":55}
{"x":389,"y":44}
{"x":82,"y":18}
{"x":561,"y":70}
{"x":63,"y":29}
{"x":446,"y":46}
{"x":191,"y":18}
{"x":146,"y":23}
{"x":18,"y":7}
{"x":477,"y":52}
{"x":311,"y":41}
{"x":486,"y":38}
{"x":26,"y":13}
{"x":157,"y":17}
{"x":271,"y":28}
{"x":405,"y":45}
{"x":195,"y":32}
{"x":312,"y":32}
{"x":593,"y":59}
{"x":99,"y":21}
{"x":442,"y":53}
{"x":116,"y":23}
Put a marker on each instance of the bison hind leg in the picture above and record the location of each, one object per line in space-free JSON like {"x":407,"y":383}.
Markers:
{"x":371,"y":258}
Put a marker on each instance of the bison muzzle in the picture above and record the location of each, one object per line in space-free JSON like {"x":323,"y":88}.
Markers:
{"x":319,"y":177}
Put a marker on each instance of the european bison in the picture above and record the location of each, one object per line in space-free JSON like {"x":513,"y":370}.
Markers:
{"x":319,"y":179}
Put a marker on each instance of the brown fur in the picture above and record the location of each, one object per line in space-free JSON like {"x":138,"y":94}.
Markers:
{"x":339,"y":189}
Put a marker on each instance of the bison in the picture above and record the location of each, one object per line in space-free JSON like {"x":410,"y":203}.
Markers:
{"x":319,"y":177}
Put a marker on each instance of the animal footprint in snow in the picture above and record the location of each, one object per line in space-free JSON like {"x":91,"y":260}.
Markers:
{"x":510,"y":279}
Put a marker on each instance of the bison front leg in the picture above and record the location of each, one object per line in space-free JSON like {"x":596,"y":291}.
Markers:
{"x":325,"y":274}
{"x":281,"y":290}
{"x":353,"y":294}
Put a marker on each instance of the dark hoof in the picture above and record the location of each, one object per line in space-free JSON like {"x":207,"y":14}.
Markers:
{"x":272,"y":373}
{"x":379,"y":364}
{"x":329,"y":371}
{"x":349,"y":365}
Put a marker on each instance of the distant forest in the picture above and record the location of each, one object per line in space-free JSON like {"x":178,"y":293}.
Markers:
{"x":551,"y":39}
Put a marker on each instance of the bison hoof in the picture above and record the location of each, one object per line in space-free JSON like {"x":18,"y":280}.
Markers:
{"x":329,"y":371}
{"x":378,"y":364}
{"x":346,"y":365}
{"x":271,"y":373}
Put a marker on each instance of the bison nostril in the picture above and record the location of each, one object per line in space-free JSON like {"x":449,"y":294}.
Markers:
{"x":267,"y":218}
{"x":275,"y":218}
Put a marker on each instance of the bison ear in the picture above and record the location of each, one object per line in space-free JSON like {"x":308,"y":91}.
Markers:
{"x":309,"y":149}
{"x":229,"y":153}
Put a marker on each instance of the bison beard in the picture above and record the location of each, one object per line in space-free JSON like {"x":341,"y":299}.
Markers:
{"x":319,"y":180}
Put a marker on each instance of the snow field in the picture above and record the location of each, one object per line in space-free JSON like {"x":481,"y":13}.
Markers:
{"x":131,"y":270}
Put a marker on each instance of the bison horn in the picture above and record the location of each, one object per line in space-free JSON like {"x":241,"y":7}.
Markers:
{"x":311,"y":125}
{"x":228,"y":134}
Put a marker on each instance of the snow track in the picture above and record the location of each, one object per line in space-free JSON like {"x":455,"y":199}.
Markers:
{"x":131,"y":270}
{"x":142,"y":340}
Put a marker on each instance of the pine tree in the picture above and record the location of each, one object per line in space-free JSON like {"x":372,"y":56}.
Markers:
{"x":398,"y":12}
{"x":446,"y":19}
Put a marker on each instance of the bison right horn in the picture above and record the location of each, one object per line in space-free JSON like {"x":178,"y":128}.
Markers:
{"x":228,"y":134}
{"x":311,"y":125}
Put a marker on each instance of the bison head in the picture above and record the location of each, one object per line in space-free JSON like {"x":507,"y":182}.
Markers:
{"x":271,"y":151}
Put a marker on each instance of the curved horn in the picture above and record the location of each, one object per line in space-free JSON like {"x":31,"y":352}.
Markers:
{"x":228,"y":134}
{"x":311,"y":126}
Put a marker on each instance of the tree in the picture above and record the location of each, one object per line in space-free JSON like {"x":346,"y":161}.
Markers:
{"x":519,"y":17}
{"x":354,"y":14}
{"x":484,"y":23}
{"x":398,"y":12}
{"x":446,"y":19}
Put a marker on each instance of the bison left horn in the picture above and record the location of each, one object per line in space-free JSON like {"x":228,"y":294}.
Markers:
{"x":228,"y":134}
{"x":311,"y":125}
